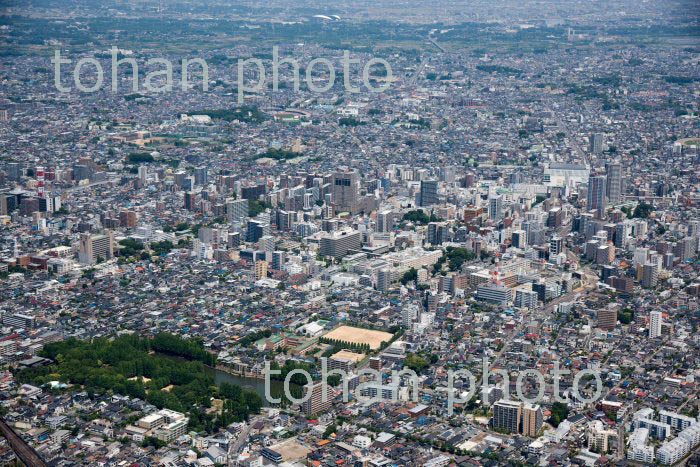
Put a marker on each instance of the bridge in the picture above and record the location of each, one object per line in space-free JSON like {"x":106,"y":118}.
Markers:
{"x":22,"y":450}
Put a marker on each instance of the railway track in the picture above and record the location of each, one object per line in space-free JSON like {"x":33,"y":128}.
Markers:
{"x":22,"y":450}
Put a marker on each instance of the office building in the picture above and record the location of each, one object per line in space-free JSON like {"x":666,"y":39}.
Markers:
{"x":562,"y":175}
{"x":385,"y":221}
{"x":437,"y":233}
{"x":256,"y":230}
{"x":650,"y":275}
{"x":143,"y":174}
{"x":555,"y":217}
{"x":190,"y":201}
{"x":14,"y":171}
{"x":236,"y":209}
{"x":448,"y":174}
{"x":519,"y":239}
{"x":507,"y":415}
{"x":285,"y":220}
{"x":81,"y":172}
{"x":201,"y":176}
{"x":260,"y":270}
{"x":556,"y":246}
{"x":315,"y":404}
{"x":596,"y":193}
{"x":496,"y":208}
{"x":339,"y":243}
{"x":496,"y":294}
{"x":532,"y":420}
{"x":599,"y":437}
{"x":596,"y":142}
{"x":613,"y":172}
{"x":279,"y":258}
{"x":233,"y":239}
{"x":346,"y":191}
{"x":127,"y":219}
{"x":383,"y":280}
{"x":188,"y":183}
{"x":607,"y":318}
{"x":428,"y":195}
{"x":526,"y":298}
{"x":95,"y":247}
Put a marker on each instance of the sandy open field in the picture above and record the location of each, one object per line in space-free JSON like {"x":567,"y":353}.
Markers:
{"x":359,"y":336}
{"x":347,"y":355}
{"x":290,"y":450}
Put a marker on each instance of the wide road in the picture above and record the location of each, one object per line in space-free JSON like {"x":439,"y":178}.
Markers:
{"x":621,"y":423}
{"x":22,"y":450}
{"x":542,"y":314}
{"x":562,"y":126}
{"x":414,"y":77}
{"x":242,"y":438}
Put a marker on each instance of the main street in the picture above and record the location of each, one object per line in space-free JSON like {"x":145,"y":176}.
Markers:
{"x":242,"y":438}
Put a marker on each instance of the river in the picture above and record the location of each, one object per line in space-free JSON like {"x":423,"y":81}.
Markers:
{"x":252,"y":384}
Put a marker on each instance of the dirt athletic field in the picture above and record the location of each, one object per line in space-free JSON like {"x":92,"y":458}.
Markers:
{"x":360,"y":336}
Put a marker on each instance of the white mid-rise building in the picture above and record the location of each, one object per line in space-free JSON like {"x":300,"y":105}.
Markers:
{"x":362,"y":442}
{"x":673,"y":451}
{"x":638,"y":450}
{"x":655,"y":321}
{"x":677,"y":421}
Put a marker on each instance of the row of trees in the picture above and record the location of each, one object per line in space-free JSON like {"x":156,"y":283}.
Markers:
{"x":340,"y":344}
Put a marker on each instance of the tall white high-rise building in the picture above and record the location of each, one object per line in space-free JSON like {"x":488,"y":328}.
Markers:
{"x":655,"y":321}
{"x":496,"y":208}
{"x":596,"y":193}
{"x":596,"y":141}
{"x":385,"y":221}
{"x":409,"y":315}
{"x":614,"y":182}
{"x":143,"y":173}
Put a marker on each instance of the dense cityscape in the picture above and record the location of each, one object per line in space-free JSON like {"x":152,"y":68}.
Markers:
{"x":377,"y":234}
